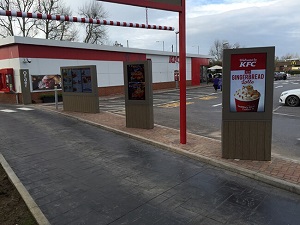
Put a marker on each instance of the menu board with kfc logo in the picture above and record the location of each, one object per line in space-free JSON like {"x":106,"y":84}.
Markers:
{"x":248,"y":82}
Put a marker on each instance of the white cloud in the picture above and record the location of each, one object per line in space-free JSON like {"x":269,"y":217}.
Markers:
{"x":251,"y":23}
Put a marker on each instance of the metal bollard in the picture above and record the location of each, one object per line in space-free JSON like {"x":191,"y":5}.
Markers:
{"x":56,"y":98}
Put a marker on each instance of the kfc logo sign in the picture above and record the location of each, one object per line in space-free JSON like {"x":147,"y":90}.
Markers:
{"x":247,"y":64}
{"x":254,"y":61}
{"x":244,"y":63}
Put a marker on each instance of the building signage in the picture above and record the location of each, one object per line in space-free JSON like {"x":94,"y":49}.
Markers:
{"x":173,"y":59}
{"x":248,"y":82}
{"x":171,"y":5}
{"x":45,"y":82}
{"x":25,"y":86}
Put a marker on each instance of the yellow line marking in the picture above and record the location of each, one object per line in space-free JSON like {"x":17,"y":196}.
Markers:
{"x":208,"y":97}
{"x":174,"y":105}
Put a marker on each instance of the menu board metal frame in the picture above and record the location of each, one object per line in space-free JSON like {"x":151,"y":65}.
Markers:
{"x":247,"y":135}
{"x":80,"y":88}
{"x":138,"y":94}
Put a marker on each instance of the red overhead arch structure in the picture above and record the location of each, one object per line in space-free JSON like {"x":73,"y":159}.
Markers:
{"x":177,"y":6}
{"x":170,"y":5}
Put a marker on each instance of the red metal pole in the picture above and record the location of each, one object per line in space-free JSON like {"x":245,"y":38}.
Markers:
{"x":182,"y":69}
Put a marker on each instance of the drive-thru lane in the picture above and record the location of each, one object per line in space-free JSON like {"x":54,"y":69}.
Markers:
{"x":81,"y":174}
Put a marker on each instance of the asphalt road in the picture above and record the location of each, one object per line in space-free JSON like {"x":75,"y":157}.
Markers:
{"x":286,"y":121}
{"x":204,"y":115}
{"x":81,"y":174}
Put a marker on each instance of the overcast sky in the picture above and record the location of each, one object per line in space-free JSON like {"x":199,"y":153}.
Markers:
{"x":251,"y":23}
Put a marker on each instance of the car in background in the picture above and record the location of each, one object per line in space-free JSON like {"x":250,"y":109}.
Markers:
{"x":280,"y":76}
{"x":290,"y":97}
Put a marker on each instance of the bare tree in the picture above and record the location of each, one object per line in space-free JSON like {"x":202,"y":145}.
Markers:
{"x":289,"y":56}
{"x":26,"y":25}
{"x":6,"y":23}
{"x":95,"y":34}
{"x":216,"y":50}
{"x":57,"y":30}
{"x":21,"y":26}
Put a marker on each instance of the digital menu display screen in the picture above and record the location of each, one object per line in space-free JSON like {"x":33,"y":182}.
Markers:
{"x":248,"y":82}
{"x":136,"y":82}
{"x":77,"y":80}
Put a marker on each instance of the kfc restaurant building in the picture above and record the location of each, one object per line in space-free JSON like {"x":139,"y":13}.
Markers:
{"x":35,"y":64}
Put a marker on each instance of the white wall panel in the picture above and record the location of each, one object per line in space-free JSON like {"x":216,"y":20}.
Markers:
{"x":109,"y":73}
{"x":116,"y":76}
{"x":188,"y":69}
{"x":160,"y":69}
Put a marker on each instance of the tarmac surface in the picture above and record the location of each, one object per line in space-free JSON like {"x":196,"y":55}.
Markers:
{"x":82,"y":174}
{"x":280,"y":172}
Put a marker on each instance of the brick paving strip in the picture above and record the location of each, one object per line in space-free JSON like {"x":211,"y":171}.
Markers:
{"x":279,"y":172}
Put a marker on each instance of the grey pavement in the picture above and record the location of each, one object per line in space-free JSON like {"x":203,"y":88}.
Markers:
{"x":81,"y":174}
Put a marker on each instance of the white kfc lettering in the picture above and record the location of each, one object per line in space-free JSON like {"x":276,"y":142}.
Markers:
{"x":247,"y":64}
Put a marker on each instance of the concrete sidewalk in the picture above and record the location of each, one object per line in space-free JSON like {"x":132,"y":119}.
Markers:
{"x":279,"y":172}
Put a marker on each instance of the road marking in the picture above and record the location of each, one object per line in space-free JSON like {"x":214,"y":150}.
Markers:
{"x":283,"y":114}
{"x":217,"y":105}
{"x":207,"y":97}
{"x":295,"y":83}
{"x":25,"y":109}
{"x":163,"y":103}
{"x":274,"y":110}
{"x":279,"y":87}
{"x":8,"y":110}
{"x":173,"y":105}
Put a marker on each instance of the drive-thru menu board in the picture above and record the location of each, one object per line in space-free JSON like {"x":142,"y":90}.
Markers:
{"x":248,"y":82}
{"x":77,"y":80}
{"x":247,"y":103}
{"x":136,"y":81}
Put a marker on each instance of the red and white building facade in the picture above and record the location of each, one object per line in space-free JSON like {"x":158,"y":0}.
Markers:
{"x":45,"y":57}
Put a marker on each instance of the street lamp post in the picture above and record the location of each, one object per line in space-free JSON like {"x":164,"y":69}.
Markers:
{"x":196,"y":46}
{"x":163,"y":42}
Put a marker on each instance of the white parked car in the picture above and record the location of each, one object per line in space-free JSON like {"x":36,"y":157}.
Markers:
{"x":290,"y":97}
